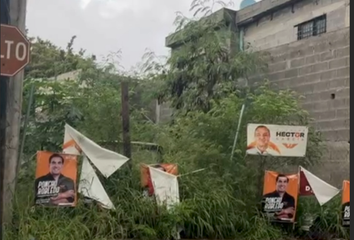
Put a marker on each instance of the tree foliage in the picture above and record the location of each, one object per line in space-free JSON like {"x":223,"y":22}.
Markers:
{"x":205,"y":64}
{"x":47,"y":60}
{"x":88,"y":98}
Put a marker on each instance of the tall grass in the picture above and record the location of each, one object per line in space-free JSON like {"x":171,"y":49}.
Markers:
{"x":221,"y":202}
{"x":207,"y":211}
{"x":210,"y":214}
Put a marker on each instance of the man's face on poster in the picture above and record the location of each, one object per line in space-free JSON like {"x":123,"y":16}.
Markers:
{"x":56,"y":165}
{"x":282,"y":184}
{"x":262,"y":137}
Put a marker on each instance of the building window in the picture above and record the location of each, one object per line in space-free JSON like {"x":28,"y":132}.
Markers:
{"x":311,"y":28}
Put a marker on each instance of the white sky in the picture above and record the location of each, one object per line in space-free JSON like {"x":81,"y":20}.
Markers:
{"x":104,"y":26}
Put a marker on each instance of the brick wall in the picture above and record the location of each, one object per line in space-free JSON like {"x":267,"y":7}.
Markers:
{"x":318,"y":68}
{"x":279,"y":28}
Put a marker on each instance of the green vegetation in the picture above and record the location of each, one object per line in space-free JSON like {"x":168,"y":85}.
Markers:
{"x":220,"y":202}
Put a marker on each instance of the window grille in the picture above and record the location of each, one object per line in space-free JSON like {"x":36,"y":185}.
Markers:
{"x":311,"y":28}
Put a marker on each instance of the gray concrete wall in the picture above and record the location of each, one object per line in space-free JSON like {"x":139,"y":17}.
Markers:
{"x":318,"y":69}
{"x":279,"y":28}
{"x":258,"y":8}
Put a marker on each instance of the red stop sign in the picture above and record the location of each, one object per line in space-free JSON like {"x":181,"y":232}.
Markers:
{"x":15,"y":50}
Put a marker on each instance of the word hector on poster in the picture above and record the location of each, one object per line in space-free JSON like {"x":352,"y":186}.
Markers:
{"x":290,"y":134}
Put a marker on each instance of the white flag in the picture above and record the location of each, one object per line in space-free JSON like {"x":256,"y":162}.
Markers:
{"x":106,"y":161}
{"x":91,"y":187}
{"x":322,"y":190}
{"x":165,"y":186}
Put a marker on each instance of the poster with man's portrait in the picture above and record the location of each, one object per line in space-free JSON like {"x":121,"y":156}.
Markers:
{"x":55,"y":183}
{"x":280,"y":193}
{"x":145,"y":177}
{"x":346,"y":203}
{"x":276,"y":140}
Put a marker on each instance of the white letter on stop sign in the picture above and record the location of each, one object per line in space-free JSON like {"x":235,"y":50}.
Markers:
{"x":307,"y":188}
{"x":8,"y":47}
{"x":21,"y":51}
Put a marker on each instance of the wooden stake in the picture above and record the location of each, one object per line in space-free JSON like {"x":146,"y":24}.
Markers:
{"x":3,"y":123}
{"x":125,"y":122}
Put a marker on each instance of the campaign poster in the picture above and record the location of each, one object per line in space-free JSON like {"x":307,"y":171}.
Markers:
{"x":311,"y":185}
{"x":346,"y":203}
{"x":280,"y":193}
{"x":276,"y":140}
{"x":55,"y":183}
{"x":145,"y":177}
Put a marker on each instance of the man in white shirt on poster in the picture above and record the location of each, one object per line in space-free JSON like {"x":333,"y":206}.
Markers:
{"x":262,"y":144}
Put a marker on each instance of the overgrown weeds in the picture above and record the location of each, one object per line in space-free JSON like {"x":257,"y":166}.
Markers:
{"x":213,"y":214}
{"x":220,"y":202}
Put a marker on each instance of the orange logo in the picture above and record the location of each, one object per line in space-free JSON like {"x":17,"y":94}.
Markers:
{"x":290,"y":145}
{"x":71,"y":143}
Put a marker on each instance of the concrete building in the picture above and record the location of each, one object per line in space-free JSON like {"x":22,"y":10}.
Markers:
{"x":308,"y":42}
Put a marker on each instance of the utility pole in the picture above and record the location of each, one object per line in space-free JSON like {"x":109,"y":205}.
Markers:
{"x":125,"y":121}
{"x":13,"y":12}
{"x":4,"y":82}
{"x":3,"y":102}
